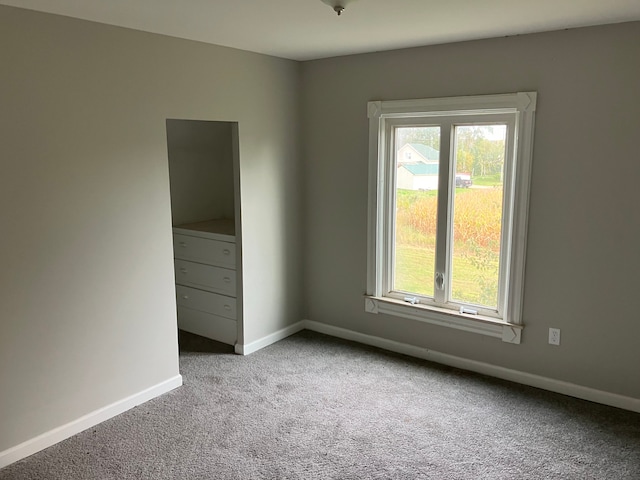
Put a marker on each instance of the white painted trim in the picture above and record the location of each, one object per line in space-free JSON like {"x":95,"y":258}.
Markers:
{"x":246,"y":349}
{"x":383,"y":116}
{"x":545,"y":383}
{"x":89,"y":420}
{"x":522,"y":101}
{"x":508,"y":332}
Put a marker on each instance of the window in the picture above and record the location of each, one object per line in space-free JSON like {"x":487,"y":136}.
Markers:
{"x":447,"y":232}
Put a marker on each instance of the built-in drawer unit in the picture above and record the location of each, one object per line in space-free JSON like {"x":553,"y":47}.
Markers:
{"x":206,"y":301}
{"x":204,"y":250}
{"x":206,"y":279}
{"x":205,"y":324}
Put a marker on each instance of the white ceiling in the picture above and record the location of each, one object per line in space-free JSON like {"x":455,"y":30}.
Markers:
{"x":309,"y":29}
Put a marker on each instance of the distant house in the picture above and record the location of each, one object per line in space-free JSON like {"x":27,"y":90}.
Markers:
{"x":417,"y":176}
{"x":417,"y":167}
{"x":416,"y":153}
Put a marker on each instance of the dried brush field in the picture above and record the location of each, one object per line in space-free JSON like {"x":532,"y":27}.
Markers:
{"x":476,"y":246}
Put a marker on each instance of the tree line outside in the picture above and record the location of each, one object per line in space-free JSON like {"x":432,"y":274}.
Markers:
{"x":480,"y":148}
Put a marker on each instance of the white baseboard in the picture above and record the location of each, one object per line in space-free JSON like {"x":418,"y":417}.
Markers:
{"x":63,"y":432}
{"x":248,"y":348}
{"x":545,"y":383}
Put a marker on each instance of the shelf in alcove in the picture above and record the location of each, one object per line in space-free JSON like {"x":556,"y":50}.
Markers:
{"x":218,"y":229}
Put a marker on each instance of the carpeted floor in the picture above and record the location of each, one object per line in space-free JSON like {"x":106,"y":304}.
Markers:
{"x":313,"y":406}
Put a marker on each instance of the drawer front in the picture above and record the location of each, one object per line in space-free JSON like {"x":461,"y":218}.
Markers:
{"x":208,"y":277}
{"x":207,"y":325}
{"x":206,"y":301}
{"x":204,"y":250}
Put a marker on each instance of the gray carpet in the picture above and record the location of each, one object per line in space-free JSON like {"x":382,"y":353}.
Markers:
{"x":312,"y":406}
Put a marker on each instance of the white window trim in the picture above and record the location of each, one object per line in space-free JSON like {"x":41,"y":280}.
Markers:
{"x":379,"y":112}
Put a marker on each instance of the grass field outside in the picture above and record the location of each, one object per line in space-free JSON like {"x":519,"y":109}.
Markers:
{"x":488,"y":180}
{"x":476,"y":245}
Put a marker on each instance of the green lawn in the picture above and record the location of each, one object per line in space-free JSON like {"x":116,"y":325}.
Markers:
{"x":488,"y":180}
{"x":414,"y":269}
{"x":415,"y":272}
{"x":475,"y":261}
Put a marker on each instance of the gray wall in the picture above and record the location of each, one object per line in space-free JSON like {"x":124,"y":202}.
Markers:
{"x":200,"y":170}
{"x":87,"y":307}
{"x":584,"y":229}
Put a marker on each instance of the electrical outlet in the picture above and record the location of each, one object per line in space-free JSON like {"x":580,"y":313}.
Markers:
{"x":554,"y":336}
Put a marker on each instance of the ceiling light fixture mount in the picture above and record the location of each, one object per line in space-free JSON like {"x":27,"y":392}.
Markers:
{"x":338,"y":6}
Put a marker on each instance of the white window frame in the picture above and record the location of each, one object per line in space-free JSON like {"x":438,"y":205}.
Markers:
{"x":516,"y":109}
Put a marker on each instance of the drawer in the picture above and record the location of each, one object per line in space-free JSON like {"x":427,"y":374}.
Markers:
{"x":207,"y":325}
{"x":204,"y":250}
{"x":207,"y":277}
{"x":206,"y":301}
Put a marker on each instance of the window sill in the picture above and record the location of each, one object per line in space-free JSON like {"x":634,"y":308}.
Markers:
{"x":507,"y":332}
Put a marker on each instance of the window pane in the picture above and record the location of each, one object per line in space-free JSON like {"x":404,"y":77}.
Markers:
{"x":416,"y":194}
{"x":477,"y":214}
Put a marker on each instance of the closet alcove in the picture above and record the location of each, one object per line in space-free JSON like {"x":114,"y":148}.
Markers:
{"x":204,"y":183}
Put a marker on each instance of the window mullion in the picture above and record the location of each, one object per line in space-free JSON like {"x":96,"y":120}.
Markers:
{"x":441,"y":280}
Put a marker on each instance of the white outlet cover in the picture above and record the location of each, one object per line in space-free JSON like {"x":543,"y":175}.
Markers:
{"x":554,"y":336}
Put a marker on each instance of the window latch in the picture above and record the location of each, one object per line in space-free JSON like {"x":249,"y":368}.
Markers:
{"x":439,"y":280}
{"x":469,"y":311}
